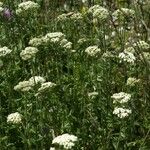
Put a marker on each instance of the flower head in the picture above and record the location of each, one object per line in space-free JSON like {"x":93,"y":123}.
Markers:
{"x":122,"y":112}
{"x":28,"y":53}
{"x":65,"y":140}
{"x":127,"y":57}
{"x":27,"y":7}
{"x":14,"y":118}
{"x":23,"y":86}
{"x":92,"y":50}
{"x":121,"y":97}
{"x":4,"y":51}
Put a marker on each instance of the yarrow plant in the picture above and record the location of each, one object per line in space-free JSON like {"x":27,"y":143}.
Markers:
{"x":4,"y":51}
{"x":92,"y":50}
{"x":27,"y":7}
{"x":122,"y":112}
{"x":127,"y":57}
{"x":74,"y":67}
{"x":121,"y":97}
{"x":14,"y":118}
{"x":28,"y":53}
{"x":67,"y":141}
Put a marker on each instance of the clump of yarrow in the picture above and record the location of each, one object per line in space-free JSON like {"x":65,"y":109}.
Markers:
{"x":1,"y":8}
{"x":65,"y":141}
{"x":4,"y":51}
{"x":132,"y":81}
{"x":46,"y":85}
{"x":98,"y":12}
{"x":28,"y":53}
{"x":92,"y":50}
{"x":28,"y":85}
{"x":57,"y":38}
{"x":27,"y":7}
{"x":142,"y":45}
{"x":23,"y":86}
{"x":122,"y":112}
{"x":122,"y":13}
{"x":121,"y":97}
{"x":14,"y":118}
{"x":36,"y":79}
{"x":71,"y":16}
{"x":127,"y":57}
{"x":35,"y":42}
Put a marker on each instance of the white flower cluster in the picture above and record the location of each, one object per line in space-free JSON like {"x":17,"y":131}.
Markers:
{"x":98,"y":12}
{"x":36,"y":42}
{"x":1,"y":8}
{"x":23,"y":86}
{"x":123,"y":12}
{"x":76,"y":16}
{"x":26,"y":7}
{"x":127,"y":57}
{"x":14,"y":118}
{"x":36,"y":80}
{"x":65,"y":140}
{"x":46,"y":86}
{"x":132,"y":81}
{"x":129,"y":49}
{"x":28,"y":53}
{"x":142,"y":45}
{"x":70,"y":16}
{"x":28,"y":85}
{"x":4,"y":51}
{"x":92,"y":50}
{"x":121,"y":97}
{"x":146,"y":56}
{"x":52,"y":38}
{"x":122,"y":112}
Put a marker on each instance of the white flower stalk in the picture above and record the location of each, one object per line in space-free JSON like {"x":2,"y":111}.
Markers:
{"x":14,"y":118}
{"x":123,"y":12}
{"x":35,"y":42}
{"x":65,"y":140}
{"x":127,"y":57}
{"x":25,"y":7}
{"x":121,"y":97}
{"x":4,"y":51}
{"x":132,"y":81}
{"x":142,"y":45}
{"x":99,"y":12}
{"x":46,"y":86}
{"x":122,"y":112}
{"x":23,"y":86}
{"x":92,"y":50}
{"x":28,"y":53}
{"x":36,"y":79}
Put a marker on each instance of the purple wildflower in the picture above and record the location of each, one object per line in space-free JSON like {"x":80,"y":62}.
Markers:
{"x":7,"y":13}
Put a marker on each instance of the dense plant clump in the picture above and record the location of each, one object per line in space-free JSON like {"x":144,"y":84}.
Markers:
{"x":75,"y":75}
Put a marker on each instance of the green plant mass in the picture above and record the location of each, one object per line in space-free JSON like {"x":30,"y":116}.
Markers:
{"x":75,"y":75}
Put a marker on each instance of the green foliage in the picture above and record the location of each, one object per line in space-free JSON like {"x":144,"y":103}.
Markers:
{"x":80,"y":102}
